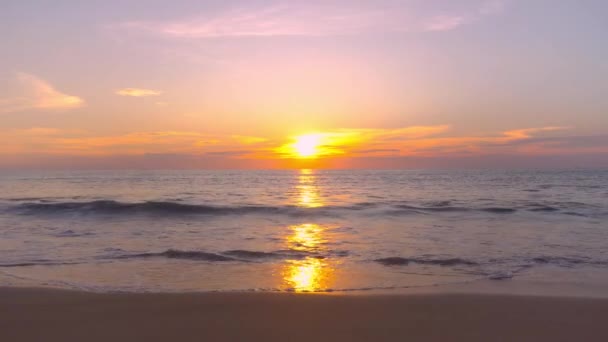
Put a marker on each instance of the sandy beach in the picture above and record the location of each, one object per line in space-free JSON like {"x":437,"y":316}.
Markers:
{"x":57,"y":315}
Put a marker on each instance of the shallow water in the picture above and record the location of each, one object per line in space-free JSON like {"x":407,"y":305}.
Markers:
{"x":305,"y":230}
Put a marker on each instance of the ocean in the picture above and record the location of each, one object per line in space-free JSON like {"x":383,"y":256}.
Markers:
{"x":302,"y":230}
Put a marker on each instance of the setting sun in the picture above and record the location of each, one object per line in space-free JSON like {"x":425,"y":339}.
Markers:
{"x":307,"y":145}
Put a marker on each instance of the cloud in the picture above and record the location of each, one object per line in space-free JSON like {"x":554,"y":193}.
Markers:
{"x":248,"y":140}
{"x":237,"y":153}
{"x":312,"y":19}
{"x":136,"y":143}
{"x":420,"y":140}
{"x":39,"y":131}
{"x":492,"y":7}
{"x":336,"y":145}
{"x":444,"y":23}
{"x":528,"y":132}
{"x":342,"y":147}
{"x":38,"y":94}
{"x":76,"y":142}
{"x":507,"y":141}
{"x":449,"y":22}
{"x":348,"y":141}
{"x":412,"y":132}
{"x":138,"y":92}
{"x":278,"y":20}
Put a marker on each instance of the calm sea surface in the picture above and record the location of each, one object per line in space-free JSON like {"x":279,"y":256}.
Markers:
{"x":304,"y":230}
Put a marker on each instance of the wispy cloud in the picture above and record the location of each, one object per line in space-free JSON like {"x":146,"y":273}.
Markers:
{"x":507,"y":141}
{"x":492,"y":7}
{"x":44,"y":140}
{"x":312,"y":19}
{"x":38,"y":94}
{"x":344,"y":147}
{"x":444,"y":23}
{"x":138,"y":92}
{"x":420,"y":140}
{"x":279,"y":20}
{"x":347,"y":141}
{"x":449,"y":22}
{"x":529,"y":132}
{"x":353,"y":144}
{"x":248,"y":140}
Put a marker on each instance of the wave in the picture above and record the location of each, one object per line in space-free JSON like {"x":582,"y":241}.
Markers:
{"x":501,"y":275}
{"x":231,"y":255}
{"x":282,"y":254}
{"x":247,"y":255}
{"x":399,"y":261}
{"x":405,"y":209}
{"x":544,"y":208}
{"x":183,"y":255}
{"x":70,"y":233}
{"x":151,"y":207}
{"x":568,"y":261}
{"x":561,"y":261}
{"x":499,"y":210}
{"x":39,"y":263}
{"x":430,"y":208}
{"x":236,"y":255}
{"x":178,"y":208}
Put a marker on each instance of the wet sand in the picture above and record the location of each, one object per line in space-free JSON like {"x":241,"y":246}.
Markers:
{"x":56,"y":315}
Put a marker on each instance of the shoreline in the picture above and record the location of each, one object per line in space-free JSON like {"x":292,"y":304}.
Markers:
{"x":34,"y":314}
{"x":509,"y":287}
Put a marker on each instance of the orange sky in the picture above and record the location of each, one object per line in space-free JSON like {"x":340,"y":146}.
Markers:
{"x":205,"y":84}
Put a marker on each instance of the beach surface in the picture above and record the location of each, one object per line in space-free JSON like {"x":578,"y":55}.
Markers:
{"x":59,"y":315}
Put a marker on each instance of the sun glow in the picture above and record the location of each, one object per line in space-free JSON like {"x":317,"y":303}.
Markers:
{"x":318,"y":145}
{"x":307,"y":145}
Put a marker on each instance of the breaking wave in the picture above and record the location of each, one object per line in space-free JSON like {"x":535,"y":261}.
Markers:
{"x":151,"y":207}
{"x":169,"y":208}
{"x":39,"y":263}
{"x":231,"y":255}
{"x":399,"y":261}
{"x":568,"y":261}
{"x":560,"y":261}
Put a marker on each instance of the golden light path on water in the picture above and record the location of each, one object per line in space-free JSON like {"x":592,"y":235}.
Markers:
{"x":308,"y":195}
{"x":313,"y":272}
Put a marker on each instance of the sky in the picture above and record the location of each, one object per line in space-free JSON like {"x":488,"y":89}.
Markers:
{"x":261,"y":84}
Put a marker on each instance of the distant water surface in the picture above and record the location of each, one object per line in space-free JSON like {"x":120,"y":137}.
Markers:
{"x":305,"y":230}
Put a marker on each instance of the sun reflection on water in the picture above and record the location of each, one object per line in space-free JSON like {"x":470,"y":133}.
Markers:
{"x":312,"y":272}
{"x":308,"y":194}
{"x":309,"y":275}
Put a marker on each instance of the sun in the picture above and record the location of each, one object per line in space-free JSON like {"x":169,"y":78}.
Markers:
{"x":307,"y":145}
{"x":315,"y":145}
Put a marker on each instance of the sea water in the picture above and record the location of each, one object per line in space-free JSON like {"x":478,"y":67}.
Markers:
{"x":302,"y":230}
